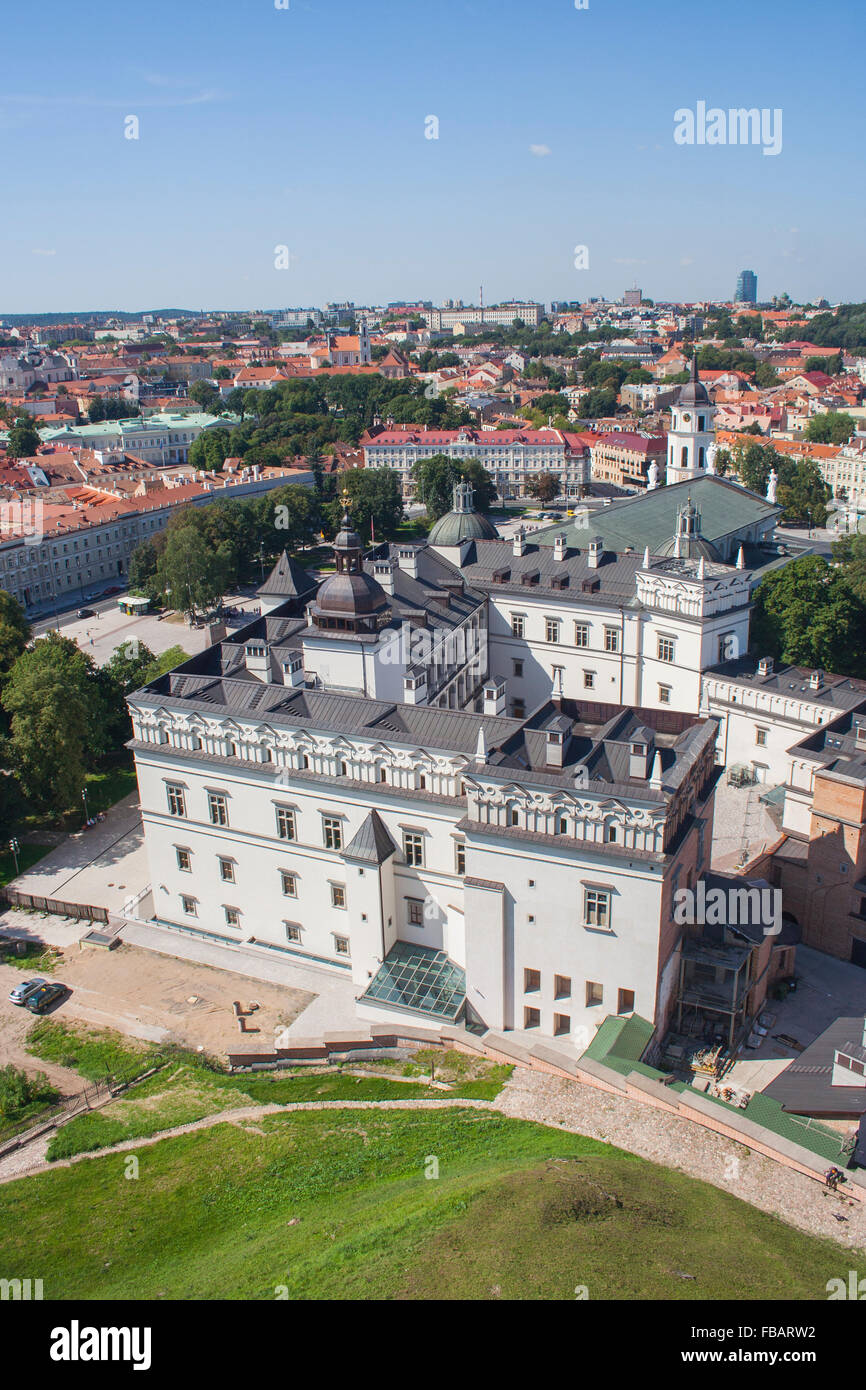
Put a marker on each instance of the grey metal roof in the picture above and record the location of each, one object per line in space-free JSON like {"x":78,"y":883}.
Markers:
{"x":287,"y":579}
{"x":806,"y":1087}
{"x":371,"y":843}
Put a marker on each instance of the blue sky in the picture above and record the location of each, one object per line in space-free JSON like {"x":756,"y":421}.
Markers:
{"x":305,"y":127}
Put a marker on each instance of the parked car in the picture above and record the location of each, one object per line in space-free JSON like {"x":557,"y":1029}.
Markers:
{"x":115,"y":589}
{"x":21,"y":993}
{"x":85,"y":613}
{"x":45,"y":996}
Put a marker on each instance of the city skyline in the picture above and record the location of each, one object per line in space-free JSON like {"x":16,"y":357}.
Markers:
{"x":301,"y":128}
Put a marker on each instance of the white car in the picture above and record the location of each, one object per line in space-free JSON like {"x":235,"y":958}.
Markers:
{"x":21,"y":993}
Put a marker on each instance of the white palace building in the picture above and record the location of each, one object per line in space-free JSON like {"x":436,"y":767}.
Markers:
{"x":468,"y":773}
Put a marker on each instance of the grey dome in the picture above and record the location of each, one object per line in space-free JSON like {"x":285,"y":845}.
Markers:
{"x":351,"y":595}
{"x":694,"y":392}
{"x":454,"y":527}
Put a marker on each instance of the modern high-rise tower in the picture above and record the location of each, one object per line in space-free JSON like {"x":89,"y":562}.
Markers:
{"x":747,"y":288}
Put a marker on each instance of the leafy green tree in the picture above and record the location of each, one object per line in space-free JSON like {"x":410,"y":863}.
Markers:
{"x":206,"y":396}
{"x":96,"y":410}
{"x":849,"y":553}
{"x":831,"y":427}
{"x":598,"y":404}
{"x":143,"y":564}
{"x":435,"y":479}
{"x":288,"y":517}
{"x":57,"y":721}
{"x":210,"y":450}
{"x":545,"y":487}
{"x":14,"y":632}
{"x":375,"y":496}
{"x":23,"y":438}
{"x":191,"y":573}
{"x":803,"y":493}
{"x":807,"y":614}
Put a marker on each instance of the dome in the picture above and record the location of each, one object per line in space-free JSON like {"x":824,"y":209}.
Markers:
{"x":454,"y":527}
{"x":694,"y":392}
{"x":351,"y":595}
{"x":462,"y":523}
{"x":687,"y":543}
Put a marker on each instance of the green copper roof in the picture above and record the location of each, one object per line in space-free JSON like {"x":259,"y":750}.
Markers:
{"x":650,"y":518}
{"x":454,"y":527}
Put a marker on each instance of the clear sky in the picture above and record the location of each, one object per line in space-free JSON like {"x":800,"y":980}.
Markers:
{"x":305,"y":127}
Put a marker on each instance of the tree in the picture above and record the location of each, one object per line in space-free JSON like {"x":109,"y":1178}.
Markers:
{"x":545,"y":487}
{"x":849,"y":553}
{"x":807,"y":614}
{"x":831,"y":427}
{"x":14,"y":632}
{"x":287,"y":517}
{"x":96,"y":410}
{"x":598,"y":404}
{"x":375,"y":496}
{"x":57,"y":721}
{"x":210,"y":450}
{"x":143,"y":564}
{"x":192,"y":574}
{"x":207,"y":396}
{"x":803,"y":494}
{"x":436,"y":477}
{"x":23,"y":438}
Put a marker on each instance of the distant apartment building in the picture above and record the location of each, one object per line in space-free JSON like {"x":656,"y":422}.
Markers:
{"x":53,"y":551}
{"x":160,"y":438}
{"x":295,"y":318}
{"x":623,"y":458}
{"x":511,"y":457}
{"x":34,"y":367}
{"x":747,"y":288}
{"x":502,"y":315}
{"x":633,"y":298}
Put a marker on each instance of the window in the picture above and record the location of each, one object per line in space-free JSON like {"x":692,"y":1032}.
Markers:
{"x":286,"y":825}
{"x":594,"y":994}
{"x":518,"y":709}
{"x":610,"y":834}
{"x":561,"y":1024}
{"x":227,"y":870}
{"x":332,"y":830}
{"x":218,"y":808}
{"x":233,"y":916}
{"x":341,"y":945}
{"x":293,"y":932}
{"x":664,"y":694}
{"x":761,"y":738}
{"x":513,"y":815}
{"x":289,"y":883}
{"x":176,"y":802}
{"x":625,"y":1001}
{"x":531,"y":981}
{"x":666,"y":649}
{"x":518,"y":624}
{"x":596,"y":907}
{"x":338,"y":895}
{"x":190,"y":906}
{"x":551,"y":629}
{"x":415,"y":912}
{"x":184,"y":860}
{"x":562,"y":825}
{"x":413,"y":848}
{"x":531,"y":1018}
{"x":611,"y":639}
{"x":589,"y":680}
{"x":581,"y":634}
{"x":562,"y":986}
{"x":518,"y":668}
{"x":460,"y":857}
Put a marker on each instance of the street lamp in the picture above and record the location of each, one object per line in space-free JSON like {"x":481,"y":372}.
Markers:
{"x":84,"y":799}
{"x":809,"y":515}
{"x":14,"y":846}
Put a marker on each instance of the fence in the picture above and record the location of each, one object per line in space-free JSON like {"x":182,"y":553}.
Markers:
{"x":82,"y":911}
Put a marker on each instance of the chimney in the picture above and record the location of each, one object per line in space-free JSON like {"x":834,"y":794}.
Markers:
{"x":383,"y":571}
{"x":595,"y":552}
{"x":815,"y":680}
{"x":556,"y":738}
{"x":765,"y":666}
{"x":559,"y":546}
{"x":518,"y":546}
{"x":494,"y":698}
{"x":415,"y":688}
{"x":655,"y":780}
{"x":641,"y":750}
{"x":293,"y":670}
{"x":407,"y":559}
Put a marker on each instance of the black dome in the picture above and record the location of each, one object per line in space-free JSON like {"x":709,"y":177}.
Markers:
{"x":694,"y":392}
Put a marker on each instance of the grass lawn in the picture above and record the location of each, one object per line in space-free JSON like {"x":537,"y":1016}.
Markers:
{"x":345,"y":1205}
{"x":36,"y":958}
{"x":28,"y":855}
{"x":188,"y":1087}
{"x":106,"y":788}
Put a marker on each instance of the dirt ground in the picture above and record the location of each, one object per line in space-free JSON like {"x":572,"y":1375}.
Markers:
{"x":149,"y":996}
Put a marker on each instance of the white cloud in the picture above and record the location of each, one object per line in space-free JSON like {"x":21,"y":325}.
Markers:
{"x":38,"y":251}
{"x":539,"y":150}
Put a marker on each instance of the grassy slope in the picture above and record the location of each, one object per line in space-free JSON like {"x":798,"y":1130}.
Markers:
{"x":336,"y":1205}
